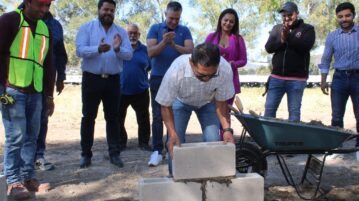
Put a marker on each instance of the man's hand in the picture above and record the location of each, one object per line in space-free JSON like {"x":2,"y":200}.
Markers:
{"x":284,"y":33}
{"x":50,"y":105}
{"x":324,"y":87}
{"x":103,"y":47}
{"x":172,"y":141}
{"x":228,"y":137}
{"x":59,"y":86}
{"x":168,"y":37}
{"x":117,"y":41}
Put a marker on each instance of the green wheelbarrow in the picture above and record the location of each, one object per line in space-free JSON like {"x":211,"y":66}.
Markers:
{"x":278,"y":137}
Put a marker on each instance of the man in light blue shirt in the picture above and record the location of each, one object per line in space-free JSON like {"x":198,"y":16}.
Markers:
{"x":103,"y":46}
{"x":343,"y":43}
{"x":165,"y":42}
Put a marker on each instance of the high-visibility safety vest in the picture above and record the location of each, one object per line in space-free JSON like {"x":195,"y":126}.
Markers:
{"x":27,"y":55}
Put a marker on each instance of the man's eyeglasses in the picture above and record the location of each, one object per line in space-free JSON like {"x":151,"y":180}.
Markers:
{"x":133,"y":33}
{"x":202,"y":76}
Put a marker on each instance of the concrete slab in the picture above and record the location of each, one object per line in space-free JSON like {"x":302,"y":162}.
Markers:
{"x":165,"y":189}
{"x":245,"y":187}
{"x":203,"y":160}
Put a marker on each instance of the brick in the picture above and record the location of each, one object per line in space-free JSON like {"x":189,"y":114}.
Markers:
{"x":165,"y":189}
{"x":203,"y":160}
{"x":3,"y":188}
{"x":245,"y":187}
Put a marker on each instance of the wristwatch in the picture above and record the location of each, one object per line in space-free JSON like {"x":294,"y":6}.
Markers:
{"x":228,"y":129}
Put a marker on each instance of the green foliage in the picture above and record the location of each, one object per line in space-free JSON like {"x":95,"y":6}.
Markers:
{"x":254,"y":15}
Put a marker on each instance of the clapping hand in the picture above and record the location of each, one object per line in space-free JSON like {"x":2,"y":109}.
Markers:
{"x":103,"y":47}
{"x":117,"y":40}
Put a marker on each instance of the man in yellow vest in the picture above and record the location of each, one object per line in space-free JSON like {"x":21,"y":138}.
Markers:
{"x":26,"y":72}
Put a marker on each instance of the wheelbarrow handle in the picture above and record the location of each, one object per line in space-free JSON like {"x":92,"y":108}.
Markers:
{"x":352,"y":137}
{"x":234,"y":109}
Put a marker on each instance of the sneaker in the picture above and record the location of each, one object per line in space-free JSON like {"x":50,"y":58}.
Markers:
{"x":155,"y":159}
{"x":335,"y":156}
{"x":17,"y":191}
{"x":357,"y":155}
{"x":42,"y":164}
{"x":34,"y":185}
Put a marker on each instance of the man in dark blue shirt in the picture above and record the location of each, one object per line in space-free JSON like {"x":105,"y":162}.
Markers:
{"x":134,"y":90}
{"x":165,"y":42}
{"x":59,"y":61}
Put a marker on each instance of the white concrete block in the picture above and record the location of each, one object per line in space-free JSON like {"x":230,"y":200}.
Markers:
{"x":3,"y":188}
{"x":203,"y":160}
{"x":165,"y":189}
{"x":245,"y":187}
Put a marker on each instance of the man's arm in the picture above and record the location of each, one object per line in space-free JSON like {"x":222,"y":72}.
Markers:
{"x":325,"y":64}
{"x":83,"y":48}
{"x":10,"y":23}
{"x":49,"y":78}
{"x":167,"y":116}
{"x":224,"y":119}
{"x":154,"y":48}
{"x":274,"y":41}
{"x":186,"y":49}
{"x":60,"y":58}
{"x":125,"y":52}
{"x":303,"y":43}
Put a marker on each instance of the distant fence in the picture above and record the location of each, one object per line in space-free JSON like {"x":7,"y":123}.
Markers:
{"x":246,"y":80}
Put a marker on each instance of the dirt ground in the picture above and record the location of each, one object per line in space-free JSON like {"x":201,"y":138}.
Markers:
{"x":105,"y":182}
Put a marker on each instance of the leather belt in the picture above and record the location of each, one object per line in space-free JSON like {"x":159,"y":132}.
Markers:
{"x":104,"y":76}
{"x":352,"y":71}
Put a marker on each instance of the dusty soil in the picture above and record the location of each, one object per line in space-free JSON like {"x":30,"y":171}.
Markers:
{"x":105,"y":182}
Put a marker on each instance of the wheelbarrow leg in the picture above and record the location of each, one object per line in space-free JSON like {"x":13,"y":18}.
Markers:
{"x":315,"y":167}
{"x":289,"y":178}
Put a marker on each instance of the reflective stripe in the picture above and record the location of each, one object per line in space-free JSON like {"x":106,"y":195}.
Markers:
{"x":24,"y":42}
{"x":43,"y":46}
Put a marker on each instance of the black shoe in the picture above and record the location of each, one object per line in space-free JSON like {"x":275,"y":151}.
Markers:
{"x":116,"y":160}
{"x":145,"y":147}
{"x":123,"y":147}
{"x":85,"y":162}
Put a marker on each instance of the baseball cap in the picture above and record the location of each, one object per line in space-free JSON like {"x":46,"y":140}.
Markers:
{"x":288,"y":7}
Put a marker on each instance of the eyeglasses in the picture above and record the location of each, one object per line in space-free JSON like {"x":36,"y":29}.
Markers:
{"x":202,"y":76}
{"x":133,"y":33}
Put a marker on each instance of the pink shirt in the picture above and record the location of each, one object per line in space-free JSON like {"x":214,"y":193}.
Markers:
{"x":235,"y":52}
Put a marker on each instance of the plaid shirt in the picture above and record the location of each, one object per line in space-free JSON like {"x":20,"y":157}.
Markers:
{"x":181,"y":83}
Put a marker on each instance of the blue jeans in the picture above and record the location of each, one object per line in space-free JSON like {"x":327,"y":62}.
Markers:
{"x":206,"y":115}
{"x":22,"y":125}
{"x":276,"y":90}
{"x":41,"y":138}
{"x":157,"y":122}
{"x":343,"y":86}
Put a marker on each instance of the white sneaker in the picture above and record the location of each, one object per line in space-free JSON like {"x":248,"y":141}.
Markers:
{"x":335,"y":156}
{"x":357,"y":154}
{"x":155,"y":159}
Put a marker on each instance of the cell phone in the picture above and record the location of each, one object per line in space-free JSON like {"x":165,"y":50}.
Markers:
{"x":170,"y":30}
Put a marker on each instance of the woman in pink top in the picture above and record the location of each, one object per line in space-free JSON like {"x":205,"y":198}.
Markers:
{"x":231,"y":45}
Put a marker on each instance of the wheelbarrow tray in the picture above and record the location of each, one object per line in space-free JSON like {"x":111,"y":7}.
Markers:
{"x":278,"y":135}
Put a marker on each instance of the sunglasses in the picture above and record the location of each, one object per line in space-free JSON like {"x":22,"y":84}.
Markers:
{"x":201,"y":76}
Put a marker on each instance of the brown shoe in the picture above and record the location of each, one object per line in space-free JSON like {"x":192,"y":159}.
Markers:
{"x":17,"y":191}
{"x":34,"y":185}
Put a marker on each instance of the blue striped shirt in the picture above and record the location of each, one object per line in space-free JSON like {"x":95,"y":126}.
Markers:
{"x":345,"y":48}
{"x":88,"y":40}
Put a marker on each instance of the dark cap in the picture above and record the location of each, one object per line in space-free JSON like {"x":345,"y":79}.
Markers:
{"x":289,"y":7}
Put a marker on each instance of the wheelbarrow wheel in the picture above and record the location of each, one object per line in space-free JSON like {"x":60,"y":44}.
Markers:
{"x":249,"y":158}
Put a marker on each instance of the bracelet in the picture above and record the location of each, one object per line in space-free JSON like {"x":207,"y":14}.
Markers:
{"x":228,"y":129}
